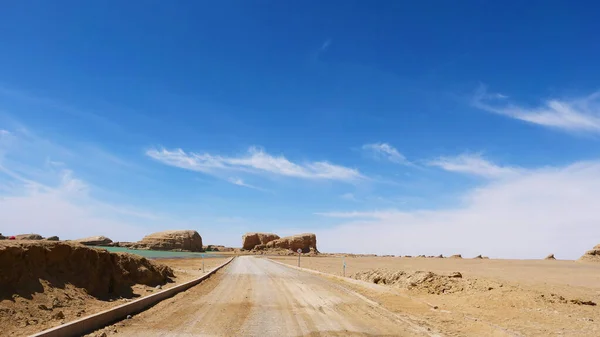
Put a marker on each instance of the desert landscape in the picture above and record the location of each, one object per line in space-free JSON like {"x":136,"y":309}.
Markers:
{"x":46,"y":283}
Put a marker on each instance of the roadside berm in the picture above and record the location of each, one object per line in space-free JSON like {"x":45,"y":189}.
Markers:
{"x":44,"y":283}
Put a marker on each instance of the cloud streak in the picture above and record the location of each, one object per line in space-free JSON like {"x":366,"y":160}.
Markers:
{"x":387,"y":152}
{"x":474,"y":164}
{"x":255,"y":161}
{"x":240,"y":182}
{"x":575,"y":115}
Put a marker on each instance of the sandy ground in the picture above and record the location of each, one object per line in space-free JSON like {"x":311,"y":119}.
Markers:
{"x":188,"y":269}
{"x":256,"y":297}
{"x":17,"y":317}
{"x":505,"y":297}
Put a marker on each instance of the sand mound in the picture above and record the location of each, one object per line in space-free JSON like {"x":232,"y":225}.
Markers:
{"x":251,"y":240}
{"x":550,"y":257}
{"x":591,"y":255}
{"x":186,"y":240}
{"x":419,"y":280}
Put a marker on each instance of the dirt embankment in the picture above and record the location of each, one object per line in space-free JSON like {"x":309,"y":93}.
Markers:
{"x":45,"y":283}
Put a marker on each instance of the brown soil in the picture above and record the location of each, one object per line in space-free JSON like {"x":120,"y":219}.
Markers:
{"x":506,"y":297}
{"x":45,"y":284}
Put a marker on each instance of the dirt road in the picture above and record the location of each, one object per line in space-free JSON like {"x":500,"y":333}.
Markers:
{"x":256,"y":297}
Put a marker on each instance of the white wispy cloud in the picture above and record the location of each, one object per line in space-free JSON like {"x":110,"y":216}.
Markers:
{"x":575,"y":115}
{"x":386,"y":151}
{"x":45,"y":196}
{"x":254,"y":161}
{"x":530,"y":215}
{"x":240,"y":182}
{"x":474,"y":163}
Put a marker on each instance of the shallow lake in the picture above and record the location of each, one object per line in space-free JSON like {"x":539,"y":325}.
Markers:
{"x":159,"y":254}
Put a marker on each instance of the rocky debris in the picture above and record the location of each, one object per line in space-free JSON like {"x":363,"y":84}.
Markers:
{"x":591,"y":255}
{"x":457,"y":256}
{"x":29,"y":237}
{"x":420,"y":281}
{"x":53,"y":238}
{"x":554,"y":298}
{"x":25,"y":265}
{"x":94,"y":241}
{"x":180,"y":240}
{"x":478,"y":257}
{"x":59,"y":315}
{"x":307,"y":242}
{"x":550,"y":257}
{"x":251,"y":240}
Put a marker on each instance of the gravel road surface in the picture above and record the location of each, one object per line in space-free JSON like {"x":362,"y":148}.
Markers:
{"x":256,"y":297}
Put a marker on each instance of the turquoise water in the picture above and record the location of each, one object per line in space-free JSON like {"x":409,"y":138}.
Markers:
{"x":156,"y":254}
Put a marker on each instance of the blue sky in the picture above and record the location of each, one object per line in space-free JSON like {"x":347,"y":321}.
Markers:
{"x":388,"y":127}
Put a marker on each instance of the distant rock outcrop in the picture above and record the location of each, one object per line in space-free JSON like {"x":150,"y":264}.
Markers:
{"x":94,"y":241}
{"x":457,"y":256}
{"x":29,"y":237}
{"x":591,"y":255}
{"x":2,"y":237}
{"x":53,"y":238}
{"x":478,"y":257}
{"x":218,"y":248}
{"x":550,"y":257}
{"x":307,"y":242}
{"x":179,"y":240}
{"x":251,"y":240}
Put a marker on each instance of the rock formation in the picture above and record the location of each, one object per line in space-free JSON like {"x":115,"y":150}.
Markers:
{"x":550,"y":257}
{"x":591,"y":255}
{"x":2,"y":237}
{"x":457,"y":256}
{"x":179,"y":240}
{"x":307,"y":242}
{"x":52,"y":238}
{"x":251,"y":240}
{"x":94,"y":241}
{"x":478,"y":257}
{"x":29,"y":237}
